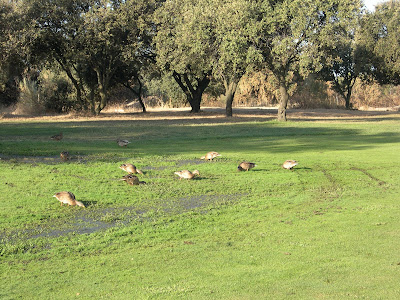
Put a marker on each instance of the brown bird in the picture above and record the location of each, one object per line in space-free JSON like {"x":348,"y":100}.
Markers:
{"x":186,"y":174}
{"x":64,"y":155}
{"x":68,"y":198}
{"x":123,"y":143}
{"x":245,"y":166}
{"x":130,"y":169}
{"x":57,"y":137}
{"x":132,"y":180}
{"x":210,"y":155}
{"x":289,"y":164}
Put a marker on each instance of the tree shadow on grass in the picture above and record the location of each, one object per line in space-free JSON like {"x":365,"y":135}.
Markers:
{"x":147,"y":138}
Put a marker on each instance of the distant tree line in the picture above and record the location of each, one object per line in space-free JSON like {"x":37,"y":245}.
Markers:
{"x":78,"y":51}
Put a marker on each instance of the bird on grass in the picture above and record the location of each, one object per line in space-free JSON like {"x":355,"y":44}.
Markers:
{"x":68,"y":198}
{"x":123,"y":143}
{"x":210,"y":155}
{"x":186,"y":174}
{"x":245,"y":166}
{"x":132,"y":180}
{"x":57,"y":137}
{"x":130,"y":169}
{"x":64,"y":155}
{"x":289,"y":164}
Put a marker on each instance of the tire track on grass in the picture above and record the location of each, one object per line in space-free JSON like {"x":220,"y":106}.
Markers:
{"x":372,"y":177}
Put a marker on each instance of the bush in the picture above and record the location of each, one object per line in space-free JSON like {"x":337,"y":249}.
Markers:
{"x":166,"y":89}
{"x":8,"y":93}
{"x":314,"y":93}
{"x":375,"y":95}
{"x":56,"y":91}
{"x":29,"y":100}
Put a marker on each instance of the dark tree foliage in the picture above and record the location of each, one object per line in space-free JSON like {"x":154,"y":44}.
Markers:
{"x":11,"y":60}
{"x":102,"y":44}
{"x":379,"y":40}
{"x":94,"y":42}
{"x":294,"y":36}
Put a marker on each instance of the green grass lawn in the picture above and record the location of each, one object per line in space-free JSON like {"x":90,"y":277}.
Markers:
{"x":330,"y":229}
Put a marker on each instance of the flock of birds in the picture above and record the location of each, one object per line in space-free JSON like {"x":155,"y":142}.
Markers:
{"x":131,"y":179}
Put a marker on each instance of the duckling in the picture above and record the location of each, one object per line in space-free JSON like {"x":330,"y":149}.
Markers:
{"x":245,"y":165}
{"x":123,"y":143}
{"x":64,"y":155}
{"x":57,"y":137}
{"x":210,"y":155}
{"x":187,"y":174}
{"x":132,"y":180}
{"x":130,"y":169}
{"x":68,"y":198}
{"x":289,"y":164}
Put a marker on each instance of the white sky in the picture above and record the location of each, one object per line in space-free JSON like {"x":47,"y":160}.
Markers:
{"x":370,"y":4}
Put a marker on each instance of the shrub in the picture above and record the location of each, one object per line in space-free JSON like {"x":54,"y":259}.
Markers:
{"x":166,"y":89}
{"x":56,"y":91}
{"x":375,"y":95}
{"x":29,"y":100}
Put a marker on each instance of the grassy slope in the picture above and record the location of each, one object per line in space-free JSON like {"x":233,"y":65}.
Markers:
{"x":329,"y":229}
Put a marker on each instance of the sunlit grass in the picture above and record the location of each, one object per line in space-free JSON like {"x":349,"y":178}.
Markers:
{"x":328,"y":229}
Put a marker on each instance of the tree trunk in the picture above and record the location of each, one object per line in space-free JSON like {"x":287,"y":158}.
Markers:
{"x":348,"y":106}
{"x":345,"y":96}
{"x":230,"y":90}
{"x":138,"y":94}
{"x":345,"y":89}
{"x":92,"y":100}
{"x":195,"y":101}
{"x":283,"y":102}
{"x":348,"y":96}
{"x":103,"y":100}
{"x":75,"y":83}
{"x":102,"y":82}
{"x":193,"y":94}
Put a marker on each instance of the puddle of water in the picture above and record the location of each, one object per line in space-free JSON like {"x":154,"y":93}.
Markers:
{"x":184,"y":162}
{"x":97,"y":219}
{"x":94,"y":220}
{"x":48,"y":160}
{"x":55,"y":159}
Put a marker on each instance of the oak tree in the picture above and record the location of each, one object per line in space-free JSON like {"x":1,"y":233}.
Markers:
{"x":379,"y":38}
{"x":292,"y":34}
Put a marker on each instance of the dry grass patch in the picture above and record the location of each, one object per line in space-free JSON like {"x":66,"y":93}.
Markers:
{"x":217,"y":115}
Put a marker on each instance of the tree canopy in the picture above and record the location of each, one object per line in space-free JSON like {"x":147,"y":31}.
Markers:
{"x":92,"y":41}
{"x":184,"y":45}
{"x":102,"y":44}
{"x":379,"y":39}
{"x":11,"y":46}
{"x":294,"y":36}
{"x":342,"y":62}
{"x":235,"y":29}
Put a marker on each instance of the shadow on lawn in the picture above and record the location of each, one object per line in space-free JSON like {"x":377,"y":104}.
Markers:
{"x":170,"y":137}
